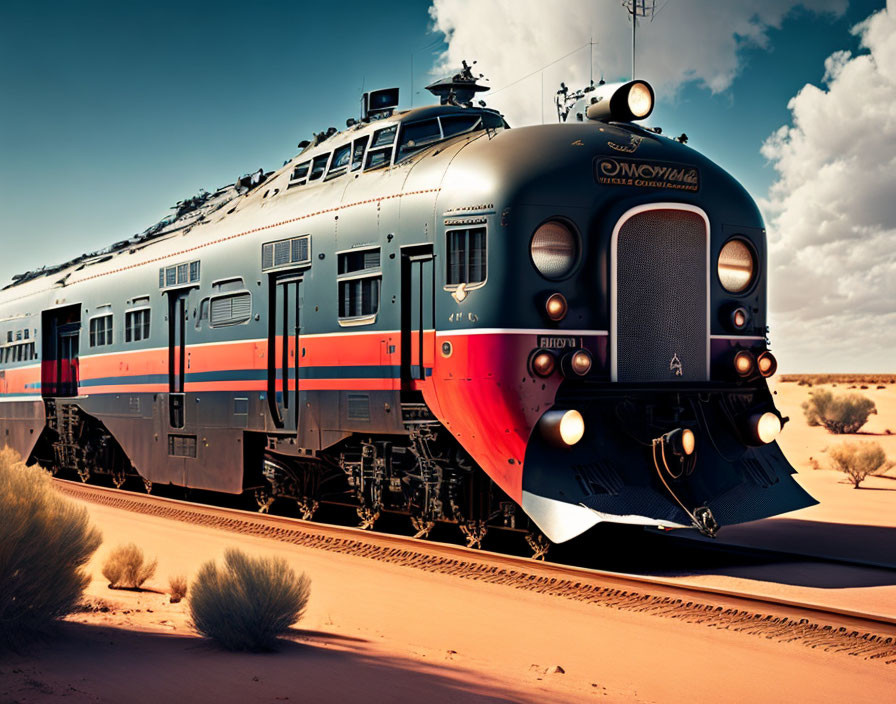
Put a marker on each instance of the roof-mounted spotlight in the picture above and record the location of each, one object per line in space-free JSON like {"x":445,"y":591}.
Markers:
{"x":622,"y":102}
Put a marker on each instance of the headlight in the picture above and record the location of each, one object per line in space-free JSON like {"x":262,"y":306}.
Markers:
{"x":737,"y":266}
{"x":554,"y":249}
{"x":562,"y":428}
{"x":767,"y":364}
{"x":743,"y":363}
{"x":580,"y":362}
{"x":543,"y":363}
{"x":622,"y":102}
{"x":765,"y":427}
{"x":640,"y":100}
{"x":555,"y":307}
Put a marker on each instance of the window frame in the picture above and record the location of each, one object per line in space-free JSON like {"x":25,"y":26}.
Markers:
{"x":364,"y":141}
{"x":299,"y":180}
{"x":334,"y":171}
{"x":382,"y":148}
{"x":399,"y":157}
{"x":327,"y":157}
{"x":370,"y":273}
{"x":148,"y":324}
{"x":108,"y":332}
{"x":458,"y":228}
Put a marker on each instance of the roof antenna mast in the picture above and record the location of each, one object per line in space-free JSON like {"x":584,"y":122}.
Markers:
{"x":636,"y":9}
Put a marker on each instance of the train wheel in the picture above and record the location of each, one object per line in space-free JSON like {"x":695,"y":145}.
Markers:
{"x":118,"y":479}
{"x":147,"y":485}
{"x":84,"y":475}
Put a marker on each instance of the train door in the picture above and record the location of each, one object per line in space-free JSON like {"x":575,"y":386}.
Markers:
{"x":177,"y":354}
{"x":417,"y":312}
{"x":61,"y":341}
{"x":284,"y":351}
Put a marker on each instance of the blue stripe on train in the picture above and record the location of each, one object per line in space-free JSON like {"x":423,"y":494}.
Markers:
{"x":386,"y":371}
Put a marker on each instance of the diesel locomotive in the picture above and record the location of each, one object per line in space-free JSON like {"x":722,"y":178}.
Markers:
{"x":534,"y":329}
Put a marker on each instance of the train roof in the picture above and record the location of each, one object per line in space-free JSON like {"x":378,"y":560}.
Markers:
{"x":197,"y":209}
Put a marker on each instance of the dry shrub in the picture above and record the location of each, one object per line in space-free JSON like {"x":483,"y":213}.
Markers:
{"x":859,"y":460}
{"x":249,"y":602}
{"x":125,"y":567}
{"x":840,"y":414}
{"x":45,"y":540}
{"x":177,"y":588}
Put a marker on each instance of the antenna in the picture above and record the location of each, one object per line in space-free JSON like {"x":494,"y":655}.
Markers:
{"x":636,"y":9}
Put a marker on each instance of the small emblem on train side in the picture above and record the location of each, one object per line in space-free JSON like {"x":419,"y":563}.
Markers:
{"x":633,"y":144}
{"x":675,"y":365}
{"x":646,"y":174}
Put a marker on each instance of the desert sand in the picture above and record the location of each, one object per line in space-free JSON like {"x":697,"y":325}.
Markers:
{"x":384,"y":633}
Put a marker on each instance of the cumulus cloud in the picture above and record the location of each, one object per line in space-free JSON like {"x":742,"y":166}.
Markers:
{"x":832,"y":213}
{"x":688,"y":41}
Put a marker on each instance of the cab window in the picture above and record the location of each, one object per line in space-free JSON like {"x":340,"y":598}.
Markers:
{"x":339,"y":164}
{"x":318,"y":166}
{"x":417,"y":135}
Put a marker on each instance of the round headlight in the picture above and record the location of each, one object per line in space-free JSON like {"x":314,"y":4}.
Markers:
{"x":743,"y":363}
{"x":554,"y":249}
{"x":767,"y":364}
{"x":543,"y":363}
{"x":765,"y":426}
{"x":640,"y":100}
{"x":737,"y":266}
{"x":580,"y":362}
{"x":555,"y":307}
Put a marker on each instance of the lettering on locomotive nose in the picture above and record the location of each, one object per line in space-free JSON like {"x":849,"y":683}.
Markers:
{"x":558,"y":343}
{"x":675,"y":365}
{"x":647,"y":174}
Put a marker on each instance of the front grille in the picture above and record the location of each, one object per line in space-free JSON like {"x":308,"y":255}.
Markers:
{"x":661,"y":298}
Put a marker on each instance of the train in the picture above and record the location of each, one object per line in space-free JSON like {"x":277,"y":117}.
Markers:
{"x":537,"y":329}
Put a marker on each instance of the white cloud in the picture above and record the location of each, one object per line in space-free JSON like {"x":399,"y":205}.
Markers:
{"x":689,"y":40}
{"x":832,"y":213}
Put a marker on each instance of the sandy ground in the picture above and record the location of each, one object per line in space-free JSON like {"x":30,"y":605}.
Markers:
{"x":384,"y":633}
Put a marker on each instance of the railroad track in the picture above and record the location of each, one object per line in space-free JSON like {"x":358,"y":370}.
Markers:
{"x":870,"y":636}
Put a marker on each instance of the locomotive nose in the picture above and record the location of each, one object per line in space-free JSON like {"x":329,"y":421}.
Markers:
{"x":644,"y":460}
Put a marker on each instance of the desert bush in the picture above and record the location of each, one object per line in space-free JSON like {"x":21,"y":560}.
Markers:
{"x":125,"y":567}
{"x":859,"y":460}
{"x":45,"y":540}
{"x":249,"y":602}
{"x":177,"y":588}
{"x":840,"y":414}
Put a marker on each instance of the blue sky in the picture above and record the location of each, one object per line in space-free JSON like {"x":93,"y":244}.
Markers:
{"x":112,"y":112}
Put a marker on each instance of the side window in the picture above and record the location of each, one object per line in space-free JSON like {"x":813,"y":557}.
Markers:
{"x":339,"y":165}
{"x":101,"y":331}
{"x":417,"y":135}
{"x":230,"y":309}
{"x":466,"y":257}
{"x":358,"y":152}
{"x":458,"y":124}
{"x":380,"y":152}
{"x":318,"y":166}
{"x":299,"y":174}
{"x":136,"y":325}
{"x":359,"y":281}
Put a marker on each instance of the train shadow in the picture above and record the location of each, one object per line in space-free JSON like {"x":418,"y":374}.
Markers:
{"x":783,"y":551}
{"x":108,"y":663}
